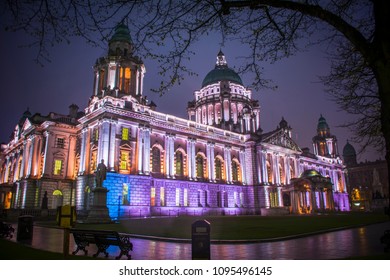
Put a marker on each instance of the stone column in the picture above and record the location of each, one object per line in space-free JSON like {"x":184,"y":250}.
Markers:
{"x":189,"y":160}
{"x":212,"y":160}
{"x":71,"y":157}
{"x":313,"y":200}
{"x":193,"y":158}
{"x":112,"y":146}
{"x":276,"y":172}
{"x":96,"y":83}
{"x":287,"y":170}
{"x":104,"y":139}
{"x":146,"y":151}
{"x":82,"y":150}
{"x":172,"y":156}
{"x":280,"y":197}
{"x":264,"y":166}
{"x":228,"y":163}
{"x":140,"y":144}
{"x":31,"y":140}
{"x":343,"y":181}
{"x":7,"y":169}
{"x":167,"y":155}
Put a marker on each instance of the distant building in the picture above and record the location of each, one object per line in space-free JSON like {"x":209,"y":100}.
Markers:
{"x":367,"y":181}
{"x":218,"y":161}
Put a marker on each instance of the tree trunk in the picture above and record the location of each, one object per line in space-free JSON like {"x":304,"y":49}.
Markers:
{"x":382,"y":74}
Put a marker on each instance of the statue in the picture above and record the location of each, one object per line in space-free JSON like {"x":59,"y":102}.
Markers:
{"x":44,"y":201}
{"x":101,"y":172}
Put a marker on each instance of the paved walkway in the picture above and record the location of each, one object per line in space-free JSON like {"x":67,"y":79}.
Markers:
{"x":341,"y":244}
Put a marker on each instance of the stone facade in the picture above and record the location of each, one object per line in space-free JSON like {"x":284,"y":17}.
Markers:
{"x":217,"y":162}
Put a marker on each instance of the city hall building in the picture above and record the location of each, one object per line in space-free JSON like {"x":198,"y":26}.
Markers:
{"x":216,"y":162}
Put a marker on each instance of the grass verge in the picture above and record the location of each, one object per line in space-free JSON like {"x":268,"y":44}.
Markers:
{"x":242,"y":227}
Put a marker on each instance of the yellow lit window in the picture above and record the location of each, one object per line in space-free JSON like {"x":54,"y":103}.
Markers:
{"x":124,"y":160}
{"x":153,"y":197}
{"x":125,"y":133}
{"x":57,"y":167}
{"x":93,"y":160}
{"x":124,"y":79}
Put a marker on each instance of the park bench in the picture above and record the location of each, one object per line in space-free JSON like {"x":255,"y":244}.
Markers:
{"x":102,"y":239}
{"x":6,"y":230}
{"x":385,"y":239}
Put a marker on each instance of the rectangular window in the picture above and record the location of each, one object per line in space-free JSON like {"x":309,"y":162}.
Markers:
{"x":219,"y":199}
{"x":241,"y":199}
{"x":60,"y":142}
{"x":235,"y":199}
{"x":93,"y":160}
{"x":200,"y":198}
{"x":153,"y":197}
{"x":225,"y":199}
{"x":57,"y":167}
{"x":124,"y":160}
{"x":125,"y":194}
{"x":177,"y":197}
{"x":125,"y":133}
{"x":162,"y":196}
{"x":185,"y":197}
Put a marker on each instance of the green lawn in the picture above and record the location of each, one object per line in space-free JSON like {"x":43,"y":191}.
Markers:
{"x":242,"y":227}
{"x":16,"y":251}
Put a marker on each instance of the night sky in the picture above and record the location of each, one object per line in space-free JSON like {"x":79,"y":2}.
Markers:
{"x":300,"y":98}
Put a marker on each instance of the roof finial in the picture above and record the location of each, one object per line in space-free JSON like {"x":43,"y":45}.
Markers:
{"x":221,"y":60}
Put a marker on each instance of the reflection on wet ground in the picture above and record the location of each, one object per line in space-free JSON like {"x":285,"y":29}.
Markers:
{"x":334,"y":245}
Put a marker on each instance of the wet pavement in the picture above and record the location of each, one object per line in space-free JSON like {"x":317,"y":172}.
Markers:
{"x":363,"y":241}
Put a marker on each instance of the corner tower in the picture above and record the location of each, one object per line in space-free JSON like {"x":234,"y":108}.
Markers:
{"x":119,"y":72}
{"x":224,"y":102}
{"x":324,"y":143}
{"x":349,"y":155}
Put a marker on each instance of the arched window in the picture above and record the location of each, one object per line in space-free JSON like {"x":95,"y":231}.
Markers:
{"x":124,"y":79}
{"x":93,"y":159}
{"x":199,"y":167}
{"x":218,"y":169}
{"x":292,"y":169}
{"x":269,"y":172}
{"x":179,"y":163}
{"x":281,"y":172}
{"x":101,"y":79}
{"x":235,"y":171}
{"x":269,"y":169}
{"x":57,"y":199}
{"x":156,"y":160}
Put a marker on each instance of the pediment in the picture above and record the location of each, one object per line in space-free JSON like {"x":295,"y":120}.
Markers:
{"x":26,"y":125}
{"x":282,"y":139}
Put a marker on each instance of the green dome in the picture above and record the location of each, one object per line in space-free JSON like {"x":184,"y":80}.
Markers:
{"x":310,"y":173}
{"x":221,"y":74}
{"x":349,"y":150}
{"x":322,"y":124}
{"x":122,"y":34}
